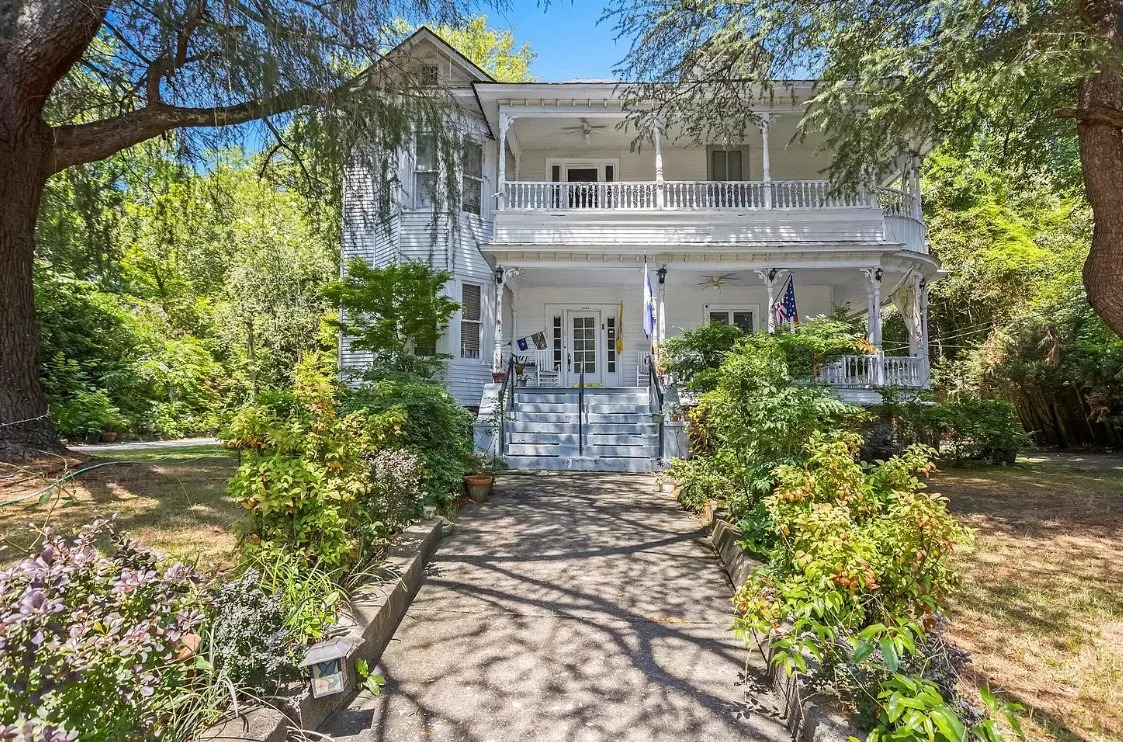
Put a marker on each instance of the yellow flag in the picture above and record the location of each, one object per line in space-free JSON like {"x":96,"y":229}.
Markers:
{"x":620,"y":330}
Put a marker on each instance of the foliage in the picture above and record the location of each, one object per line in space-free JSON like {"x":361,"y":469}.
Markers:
{"x":757,"y":417}
{"x":310,"y":596}
{"x":975,"y":428}
{"x":858,"y":571}
{"x":395,"y":495}
{"x":900,"y":77}
{"x":247,"y":640}
{"x":396,"y":312}
{"x":430,"y":423}
{"x":694,"y":357}
{"x":303,"y":475}
{"x":96,"y":647}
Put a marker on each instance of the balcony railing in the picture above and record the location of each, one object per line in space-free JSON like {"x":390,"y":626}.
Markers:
{"x":692,"y":195}
{"x":876,"y":370}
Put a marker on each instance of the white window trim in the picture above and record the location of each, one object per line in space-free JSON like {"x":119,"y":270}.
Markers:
{"x":478,"y":322}
{"x":478,"y":177}
{"x":417,"y":194}
{"x":569,"y":163}
{"x":731,"y":308}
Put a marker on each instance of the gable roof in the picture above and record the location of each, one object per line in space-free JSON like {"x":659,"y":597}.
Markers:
{"x":424,"y":33}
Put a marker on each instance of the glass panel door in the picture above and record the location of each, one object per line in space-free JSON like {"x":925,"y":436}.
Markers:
{"x":584,"y":347}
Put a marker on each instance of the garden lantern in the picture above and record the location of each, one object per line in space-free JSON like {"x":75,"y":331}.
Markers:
{"x":327,"y":660}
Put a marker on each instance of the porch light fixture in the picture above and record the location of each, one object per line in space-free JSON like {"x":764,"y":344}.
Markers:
{"x":662,"y":273}
{"x":877,"y":274}
{"x":327,"y":660}
{"x":498,"y":274}
{"x":772,"y":274}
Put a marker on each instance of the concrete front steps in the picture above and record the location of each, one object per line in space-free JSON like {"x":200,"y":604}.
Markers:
{"x":619,"y":433}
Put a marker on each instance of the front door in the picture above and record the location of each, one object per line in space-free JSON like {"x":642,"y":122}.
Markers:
{"x":585,"y":348}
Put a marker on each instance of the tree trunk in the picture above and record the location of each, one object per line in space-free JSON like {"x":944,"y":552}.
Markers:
{"x":25,"y":147}
{"x":1101,"y":158}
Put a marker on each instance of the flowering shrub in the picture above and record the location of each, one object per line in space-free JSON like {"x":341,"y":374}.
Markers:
{"x":857,"y":575}
{"x":304,"y":471}
{"x":94,"y":647}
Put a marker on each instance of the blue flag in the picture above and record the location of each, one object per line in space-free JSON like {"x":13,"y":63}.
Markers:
{"x":648,"y":302}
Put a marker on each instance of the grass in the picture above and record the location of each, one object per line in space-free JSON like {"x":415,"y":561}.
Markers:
{"x":170,"y":499}
{"x":1041,"y":609}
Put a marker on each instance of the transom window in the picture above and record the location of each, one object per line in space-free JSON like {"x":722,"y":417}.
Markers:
{"x":471,"y":320}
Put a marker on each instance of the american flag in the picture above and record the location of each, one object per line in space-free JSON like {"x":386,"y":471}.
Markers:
{"x":785,"y":307}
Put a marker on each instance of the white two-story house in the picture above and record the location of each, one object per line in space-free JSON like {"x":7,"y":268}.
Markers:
{"x":558,"y":223}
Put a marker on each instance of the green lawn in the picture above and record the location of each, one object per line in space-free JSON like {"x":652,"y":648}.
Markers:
{"x":1042,"y":603}
{"x":170,"y":499}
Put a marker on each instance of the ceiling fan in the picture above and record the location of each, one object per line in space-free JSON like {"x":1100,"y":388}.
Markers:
{"x":717,"y":281}
{"x":585,"y":129}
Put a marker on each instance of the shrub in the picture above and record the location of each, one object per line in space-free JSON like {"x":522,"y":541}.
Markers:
{"x":394,"y":499}
{"x":859,"y":571}
{"x":974,"y":428}
{"x":94,"y":647}
{"x":86,"y":411}
{"x":755,"y":419}
{"x":694,"y":357}
{"x":302,"y":475}
{"x":248,"y":640}
{"x":432,"y":425}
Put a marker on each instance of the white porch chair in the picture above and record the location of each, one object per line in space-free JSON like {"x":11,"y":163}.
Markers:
{"x":545,"y":372}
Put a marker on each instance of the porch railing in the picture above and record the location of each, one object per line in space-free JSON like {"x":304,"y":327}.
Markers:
{"x":875,"y":370}
{"x":689,"y":195}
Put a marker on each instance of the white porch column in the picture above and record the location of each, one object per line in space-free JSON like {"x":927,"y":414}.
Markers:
{"x":659,"y":201}
{"x":505,"y":121}
{"x":874,"y":320}
{"x":925,"y":362}
{"x":770,"y":276}
{"x":766,"y":162}
{"x":501,"y":276}
{"x":914,"y":187}
{"x":661,"y":324}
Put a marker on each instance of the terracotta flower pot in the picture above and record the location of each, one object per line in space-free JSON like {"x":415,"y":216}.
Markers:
{"x":498,"y":376}
{"x":478,"y":486}
{"x":109,"y":436}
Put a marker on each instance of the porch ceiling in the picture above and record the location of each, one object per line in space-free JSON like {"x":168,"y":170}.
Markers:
{"x":848,"y":285}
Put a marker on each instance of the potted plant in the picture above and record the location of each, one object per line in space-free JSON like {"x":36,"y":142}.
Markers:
{"x":480,"y":477}
{"x":498,"y":376}
{"x":113,"y":429}
{"x":478,"y":486}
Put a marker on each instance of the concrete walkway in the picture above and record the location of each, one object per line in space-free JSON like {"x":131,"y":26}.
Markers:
{"x":569,"y":607}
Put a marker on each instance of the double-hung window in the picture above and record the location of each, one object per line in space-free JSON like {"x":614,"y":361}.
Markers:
{"x":426,"y":171}
{"x":728,"y":163}
{"x":471,"y":320}
{"x":472,"y":178}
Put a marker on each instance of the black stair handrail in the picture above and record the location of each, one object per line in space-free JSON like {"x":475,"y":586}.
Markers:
{"x":656,"y":385}
{"x":581,"y":411}
{"x":507,"y":389}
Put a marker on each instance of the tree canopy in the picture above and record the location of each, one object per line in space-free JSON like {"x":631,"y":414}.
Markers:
{"x":896,"y":77}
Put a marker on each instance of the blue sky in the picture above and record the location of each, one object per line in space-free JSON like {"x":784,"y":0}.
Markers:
{"x":566,"y":36}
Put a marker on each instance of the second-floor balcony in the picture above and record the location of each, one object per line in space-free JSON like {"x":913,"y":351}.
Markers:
{"x":702,"y":195}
